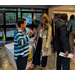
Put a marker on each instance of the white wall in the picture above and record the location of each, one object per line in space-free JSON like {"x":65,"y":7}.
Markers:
{"x":50,"y":13}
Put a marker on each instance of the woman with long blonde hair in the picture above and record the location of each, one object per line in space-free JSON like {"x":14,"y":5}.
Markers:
{"x":42,"y":38}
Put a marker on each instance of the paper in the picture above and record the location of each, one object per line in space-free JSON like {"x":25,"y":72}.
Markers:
{"x":34,"y":46}
{"x":63,"y":55}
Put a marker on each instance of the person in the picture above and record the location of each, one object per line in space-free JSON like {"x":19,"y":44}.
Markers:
{"x":71,"y":29}
{"x":61,"y":42}
{"x":42,"y":38}
{"x":27,"y":29}
{"x":21,"y":45}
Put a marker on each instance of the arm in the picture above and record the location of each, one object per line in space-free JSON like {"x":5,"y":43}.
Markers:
{"x":69,"y":25}
{"x":35,"y":36}
{"x":21,"y":39}
{"x":64,"y":38}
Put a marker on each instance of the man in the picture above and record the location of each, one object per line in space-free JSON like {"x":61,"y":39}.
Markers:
{"x":61,"y":42}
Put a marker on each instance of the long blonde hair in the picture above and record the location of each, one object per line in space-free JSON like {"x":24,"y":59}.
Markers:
{"x":44,"y":15}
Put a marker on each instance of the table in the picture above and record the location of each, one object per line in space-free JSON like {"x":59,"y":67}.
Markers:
{"x":10,"y":52}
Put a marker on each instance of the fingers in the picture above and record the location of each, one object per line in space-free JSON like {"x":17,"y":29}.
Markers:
{"x":66,"y":53}
{"x":34,"y":30}
{"x":33,"y":42}
{"x":46,"y":49}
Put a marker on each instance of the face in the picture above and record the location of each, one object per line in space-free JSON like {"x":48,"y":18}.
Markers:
{"x":24,"y":24}
{"x":43,"y":20}
{"x":66,"y":20}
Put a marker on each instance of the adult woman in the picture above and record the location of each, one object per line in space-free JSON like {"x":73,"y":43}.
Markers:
{"x":42,"y":38}
{"x":71,"y":28}
{"x":21,"y":45}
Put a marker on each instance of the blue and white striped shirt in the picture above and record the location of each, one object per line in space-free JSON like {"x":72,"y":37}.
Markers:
{"x":21,"y":45}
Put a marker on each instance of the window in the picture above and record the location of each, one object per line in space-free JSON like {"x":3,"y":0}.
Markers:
{"x":19,"y":14}
{"x":4,"y":9}
{"x":10,"y":18}
{"x":1,"y":30}
{"x":28,"y":17}
{"x":31,"y":10}
{"x":1,"y":19}
{"x":27,"y":10}
{"x":10,"y":32}
{"x":36,"y":18}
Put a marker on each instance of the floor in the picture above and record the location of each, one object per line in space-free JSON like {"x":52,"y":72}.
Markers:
{"x":51,"y":63}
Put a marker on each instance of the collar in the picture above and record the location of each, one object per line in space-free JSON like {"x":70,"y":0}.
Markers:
{"x":62,"y":20}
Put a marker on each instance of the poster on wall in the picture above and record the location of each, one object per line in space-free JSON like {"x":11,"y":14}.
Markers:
{"x":57,"y":16}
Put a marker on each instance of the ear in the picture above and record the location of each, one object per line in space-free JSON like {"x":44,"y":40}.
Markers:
{"x":21,"y":24}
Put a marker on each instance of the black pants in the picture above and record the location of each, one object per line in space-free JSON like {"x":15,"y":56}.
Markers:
{"x":36,"y":57}
{"x":21,"y":62}
{"x":64,"y":61}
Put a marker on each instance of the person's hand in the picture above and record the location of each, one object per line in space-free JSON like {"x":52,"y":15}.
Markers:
{"x":34,"y":30}
{"x":46,"y":49}
{"x":34,"y":42}
{"x":66,"y":53}
{"x":30,"y":33}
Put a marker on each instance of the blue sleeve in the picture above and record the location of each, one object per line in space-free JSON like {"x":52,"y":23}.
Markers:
{"x":64,"y":38}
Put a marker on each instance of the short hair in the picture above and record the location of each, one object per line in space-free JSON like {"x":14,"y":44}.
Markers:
{"x":20,"y":21}
{"x":63,"y":16}
{"x":71,"y":17}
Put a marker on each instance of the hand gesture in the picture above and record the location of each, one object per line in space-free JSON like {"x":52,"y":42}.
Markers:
{"x":34,"y":30}
{"x":46,"y":49}
{"x":66,"y":53}
{"x":30,"y":33}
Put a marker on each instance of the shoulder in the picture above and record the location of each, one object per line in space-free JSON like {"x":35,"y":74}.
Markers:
{"x":72,"y":20}
{"x":39,"y":25}
{"x":17,"y":32}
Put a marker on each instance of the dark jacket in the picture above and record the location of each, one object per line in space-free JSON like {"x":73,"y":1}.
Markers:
{"x":61,"y":40}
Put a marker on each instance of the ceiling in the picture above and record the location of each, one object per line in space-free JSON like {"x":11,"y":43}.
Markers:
{"x":25,"y":6}
{"x":29,"y":6}
{"x":65,"y":7}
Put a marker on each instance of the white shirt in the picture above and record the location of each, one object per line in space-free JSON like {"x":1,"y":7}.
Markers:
{"x":41,"y":34}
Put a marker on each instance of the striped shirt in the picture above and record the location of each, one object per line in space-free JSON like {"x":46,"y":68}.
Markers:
{"x":21,"y":45}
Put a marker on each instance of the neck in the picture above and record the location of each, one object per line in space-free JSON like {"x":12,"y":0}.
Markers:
{"x":43,"y":24}
{"x":63,"y":20}
{"x":21,"y":28}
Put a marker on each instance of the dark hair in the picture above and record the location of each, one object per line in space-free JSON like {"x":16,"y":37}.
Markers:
{"x":63,"y":16}
{"x":71,"y":17}
{"x":20,"y":21}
